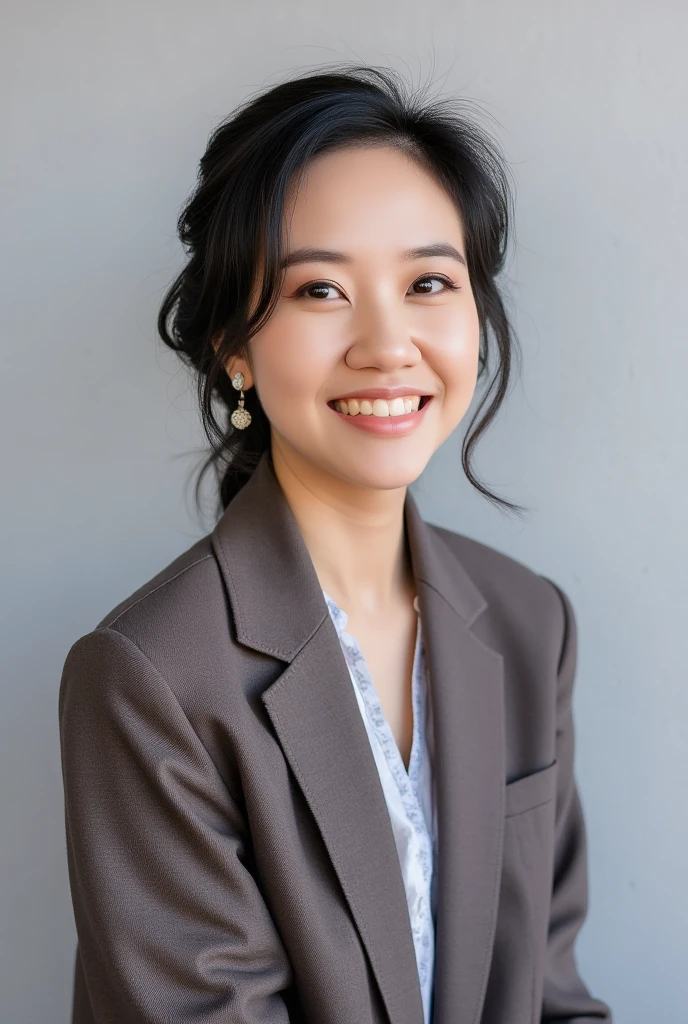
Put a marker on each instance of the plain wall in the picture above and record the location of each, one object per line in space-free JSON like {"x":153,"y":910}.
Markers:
{"x":106,"y":109}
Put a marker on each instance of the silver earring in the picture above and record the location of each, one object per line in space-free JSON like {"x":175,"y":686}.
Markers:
{"x":240,"y":417}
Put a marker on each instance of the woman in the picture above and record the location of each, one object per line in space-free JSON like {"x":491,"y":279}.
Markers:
{"x":320,"y":768}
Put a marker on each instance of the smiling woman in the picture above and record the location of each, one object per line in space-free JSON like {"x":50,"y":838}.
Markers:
{"x":342,"y":193}
{"x":319,"y":769}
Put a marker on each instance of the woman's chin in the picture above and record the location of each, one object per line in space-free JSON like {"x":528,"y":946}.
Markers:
{"x":383,"y":471}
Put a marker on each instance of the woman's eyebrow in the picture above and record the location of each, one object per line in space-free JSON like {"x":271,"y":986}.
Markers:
{"x":308,"y":254}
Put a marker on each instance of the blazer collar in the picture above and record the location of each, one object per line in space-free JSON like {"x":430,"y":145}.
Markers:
{"x":278,"y":608}
{"x":263,"y":557}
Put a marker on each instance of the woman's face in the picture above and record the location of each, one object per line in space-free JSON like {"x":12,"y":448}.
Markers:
{"x":360,"y":310}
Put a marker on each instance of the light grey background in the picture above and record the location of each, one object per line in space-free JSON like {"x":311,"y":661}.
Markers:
{"x":106,"y":110}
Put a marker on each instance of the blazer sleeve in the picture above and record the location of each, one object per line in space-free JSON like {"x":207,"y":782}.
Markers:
{"x":170,"y":921}
{"x":566,"y":999}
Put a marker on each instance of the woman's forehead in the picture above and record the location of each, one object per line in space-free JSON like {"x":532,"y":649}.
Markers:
{"x":374,"y":196}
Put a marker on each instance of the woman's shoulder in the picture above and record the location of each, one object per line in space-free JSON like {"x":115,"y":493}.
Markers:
{"x":194,"y":571}
{"x":169,"y":636}
{"x":179,"y":608}
{"x":518,"y":595}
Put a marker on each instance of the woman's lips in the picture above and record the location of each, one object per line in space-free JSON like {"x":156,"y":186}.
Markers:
{"x":386,"y":425}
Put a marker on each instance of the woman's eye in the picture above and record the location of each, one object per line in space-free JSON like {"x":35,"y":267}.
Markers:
{"x":427,"y":281}
{"x":317,"y":290}
{"x":423,"y":286}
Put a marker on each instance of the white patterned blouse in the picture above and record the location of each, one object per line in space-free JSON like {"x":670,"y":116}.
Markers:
{"x":410,"y":795}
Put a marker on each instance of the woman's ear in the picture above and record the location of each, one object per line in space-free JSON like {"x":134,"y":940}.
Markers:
{"x":235,"y":364}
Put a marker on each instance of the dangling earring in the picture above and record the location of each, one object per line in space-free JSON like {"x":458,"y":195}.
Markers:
{"x":240,"y":417}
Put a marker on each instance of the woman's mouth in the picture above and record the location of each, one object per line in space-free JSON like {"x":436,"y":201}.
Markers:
{"x":381,"y":416}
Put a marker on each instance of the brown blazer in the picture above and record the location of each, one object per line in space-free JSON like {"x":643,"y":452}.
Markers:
{"x":231,"y":857}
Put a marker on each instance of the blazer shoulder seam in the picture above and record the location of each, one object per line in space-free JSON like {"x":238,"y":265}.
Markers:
{"x":107,"y":622}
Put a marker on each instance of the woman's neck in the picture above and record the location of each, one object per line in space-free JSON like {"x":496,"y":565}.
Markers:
{"x":355,"y":537}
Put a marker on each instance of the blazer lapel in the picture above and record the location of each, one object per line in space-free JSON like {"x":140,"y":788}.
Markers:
{"x":467,"y":691}
{"x":278,"y":609}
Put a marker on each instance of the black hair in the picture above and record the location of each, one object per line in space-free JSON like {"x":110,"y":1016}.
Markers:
{"x":231,"y":230}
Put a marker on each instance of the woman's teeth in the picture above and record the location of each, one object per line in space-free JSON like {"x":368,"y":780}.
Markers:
{"x":378,"y":407}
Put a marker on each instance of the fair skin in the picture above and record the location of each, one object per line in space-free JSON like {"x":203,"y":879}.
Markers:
{"x":368,"y":317}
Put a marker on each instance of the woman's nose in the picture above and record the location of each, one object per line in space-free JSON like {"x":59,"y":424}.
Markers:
{"x":382,"y":337}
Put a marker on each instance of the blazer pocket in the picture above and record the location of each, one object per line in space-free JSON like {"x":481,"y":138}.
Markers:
{"x":531,"y":791}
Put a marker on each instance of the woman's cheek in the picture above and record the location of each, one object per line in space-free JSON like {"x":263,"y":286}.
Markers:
{"x":456,"y":364}
{"x":290,"y":372}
